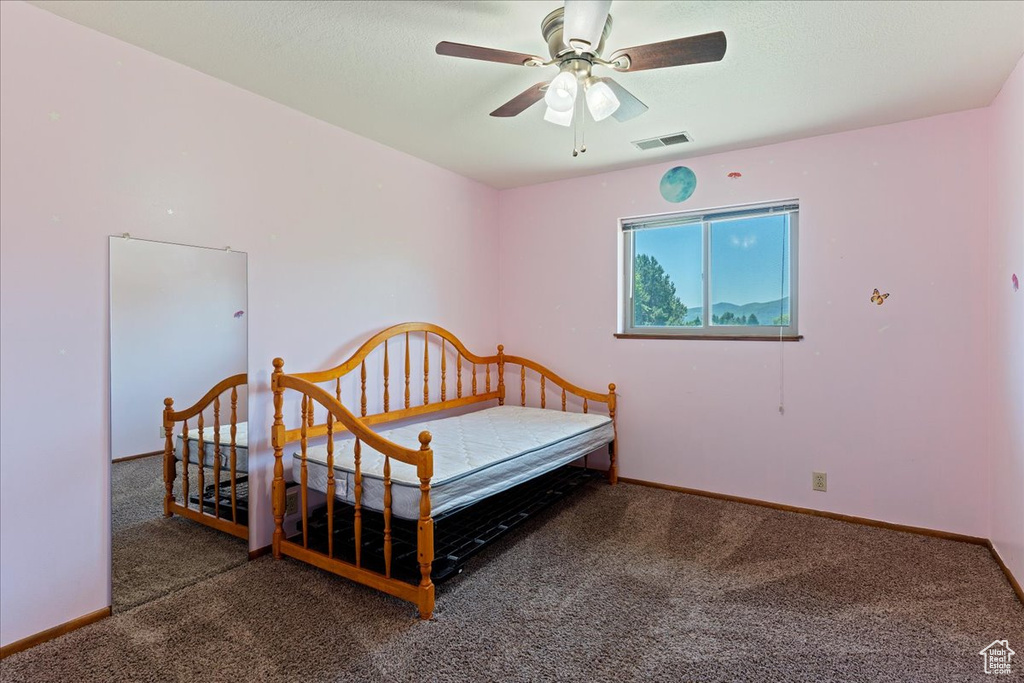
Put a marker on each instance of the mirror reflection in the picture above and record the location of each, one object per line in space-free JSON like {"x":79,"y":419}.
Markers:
{"x":178,"y":410}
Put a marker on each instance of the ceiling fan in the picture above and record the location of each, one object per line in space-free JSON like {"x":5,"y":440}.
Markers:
{"x":576,"y":37}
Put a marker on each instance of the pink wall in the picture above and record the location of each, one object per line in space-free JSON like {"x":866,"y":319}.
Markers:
{"x":889,"y":401}
{"x":344,"y":236}
{"x":1006,"y":256}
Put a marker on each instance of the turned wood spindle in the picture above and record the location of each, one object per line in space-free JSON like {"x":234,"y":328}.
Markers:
{"x":216,"y":456}
{"x":444,"y":373}
{"x":387,"y":376}
{"x":426,"y":369}
{"x":458,"y":373}
{"x":543,"y":398}
{"x":358,"y":513}
{"x":184,"y":463}
{"x":277,"y":487}
{"x":304,"y":475}
{"x":474,"y":379}
{"x":407,"y":370}
{"x":487,"y":385}
{"x":563,"y":399}
{"x":585,"y":406}
{"x":232,"y":462}
{"x":362,"y":388}
{"x":425,"y":533}
{"x":169,"y":464}
{"x":501,"y":375}
{"x":387,"y":516}
{"x":522,"y":385}
{"x":330,"y":481}
{"x":337,"y":389}
{"x":201,"y":458}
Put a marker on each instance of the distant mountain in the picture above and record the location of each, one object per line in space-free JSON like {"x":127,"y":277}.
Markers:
{"x":766,"y":311}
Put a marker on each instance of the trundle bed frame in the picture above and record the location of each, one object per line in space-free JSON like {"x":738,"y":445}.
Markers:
{"x":222,"y":505}
{"x":360,"y":539}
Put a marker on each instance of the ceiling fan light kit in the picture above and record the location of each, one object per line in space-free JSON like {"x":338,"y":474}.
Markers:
{"x":576,"y":36}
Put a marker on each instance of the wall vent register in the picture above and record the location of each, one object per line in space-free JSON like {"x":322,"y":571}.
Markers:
{"x":663,"y":141}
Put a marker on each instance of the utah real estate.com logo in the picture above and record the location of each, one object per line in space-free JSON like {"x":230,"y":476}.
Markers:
{"x":997,"y":657}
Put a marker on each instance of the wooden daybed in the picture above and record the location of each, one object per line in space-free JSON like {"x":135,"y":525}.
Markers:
{"x":210,"y":449}
{"x":378,"y":484}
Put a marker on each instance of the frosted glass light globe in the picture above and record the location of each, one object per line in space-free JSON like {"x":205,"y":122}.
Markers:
{"x":601,"y":101}
{"x":562,"y":118}
{"x":561,"y":94}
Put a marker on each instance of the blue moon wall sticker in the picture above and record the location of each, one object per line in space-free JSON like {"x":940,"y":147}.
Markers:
{"x":678,"y":184}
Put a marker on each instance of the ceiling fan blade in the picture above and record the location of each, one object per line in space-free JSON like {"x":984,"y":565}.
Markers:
{"x":709,"y":47}
{"x":584,"y":23}
{"x":486,"y":54}
{"x":629,"y":106}
{"x":522,"y":101}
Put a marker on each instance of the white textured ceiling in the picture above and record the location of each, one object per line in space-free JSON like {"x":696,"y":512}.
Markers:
{"x":792,"y":69}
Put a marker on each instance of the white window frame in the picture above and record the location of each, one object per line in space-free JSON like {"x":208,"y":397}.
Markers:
{"x":628,"y":227}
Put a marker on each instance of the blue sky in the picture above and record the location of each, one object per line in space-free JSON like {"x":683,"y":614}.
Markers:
{"x":746,"y":259}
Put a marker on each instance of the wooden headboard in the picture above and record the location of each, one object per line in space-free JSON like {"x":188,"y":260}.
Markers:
{"x":468,"y":382}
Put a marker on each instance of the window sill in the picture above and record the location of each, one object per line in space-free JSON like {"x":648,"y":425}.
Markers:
{"x":709,"y":337}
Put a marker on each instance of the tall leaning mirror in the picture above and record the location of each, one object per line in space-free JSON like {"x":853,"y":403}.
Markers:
{"x":178,"y":409}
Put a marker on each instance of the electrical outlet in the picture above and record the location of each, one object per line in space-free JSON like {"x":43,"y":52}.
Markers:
{"x":291,"y":501}
{"x":163,"y":432}
{"x":819,"y":481}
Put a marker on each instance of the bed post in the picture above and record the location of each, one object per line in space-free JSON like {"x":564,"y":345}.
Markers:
{"x":425,"y":529}
{"x":277,"y":438}
{"x":501,"y":374}
{"x":613,"y":466}
{"x":168,"y":457}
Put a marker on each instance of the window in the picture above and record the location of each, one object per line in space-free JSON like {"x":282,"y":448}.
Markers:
{"x":724,"y":273}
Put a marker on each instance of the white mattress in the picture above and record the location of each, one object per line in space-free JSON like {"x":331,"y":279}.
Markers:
{"x":475,"y":455}
{"x":241,"y":446}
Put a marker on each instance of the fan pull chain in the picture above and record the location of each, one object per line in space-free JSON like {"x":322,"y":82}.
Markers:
{"x":579,"y":119}
{"x":575,"y":129}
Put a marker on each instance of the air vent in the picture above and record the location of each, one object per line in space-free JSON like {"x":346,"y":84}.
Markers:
{"x":662,"y":141}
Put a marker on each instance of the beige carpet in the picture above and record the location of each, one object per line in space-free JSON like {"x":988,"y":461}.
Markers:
{"x":617,"y":584}
{"x":152,"y":555}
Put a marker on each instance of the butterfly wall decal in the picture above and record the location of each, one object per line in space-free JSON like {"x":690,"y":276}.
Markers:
{"x":879,"y":299}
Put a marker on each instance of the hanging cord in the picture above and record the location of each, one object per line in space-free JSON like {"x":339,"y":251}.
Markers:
{"x":579,"y":117}
{"x":583,"y":125}
{"x":575,"y":130}
{"x":782,"y":343}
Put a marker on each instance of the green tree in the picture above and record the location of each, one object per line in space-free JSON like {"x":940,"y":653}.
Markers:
{"x":654,"y":296}
{"x":752,"y":320}
{"x":781,"y":320}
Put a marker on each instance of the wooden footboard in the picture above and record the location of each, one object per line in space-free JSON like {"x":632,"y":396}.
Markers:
{"x":203,"y":512}
{"x":463,"y":378}
{"x":422,"y":459}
